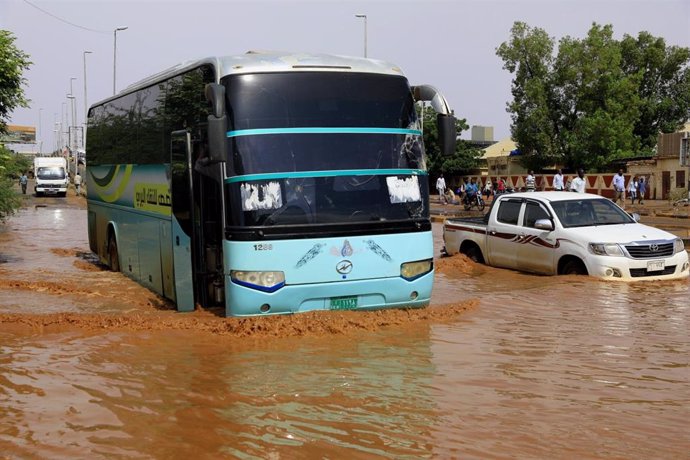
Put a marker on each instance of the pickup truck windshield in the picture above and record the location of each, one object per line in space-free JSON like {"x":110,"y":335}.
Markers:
{"x":588,"y":213}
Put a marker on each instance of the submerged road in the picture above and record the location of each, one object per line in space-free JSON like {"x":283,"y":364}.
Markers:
{"x":539,"y":367}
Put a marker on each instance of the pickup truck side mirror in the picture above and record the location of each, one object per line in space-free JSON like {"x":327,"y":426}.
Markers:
{"x":635,"y":216}
{"x":544,"y":224}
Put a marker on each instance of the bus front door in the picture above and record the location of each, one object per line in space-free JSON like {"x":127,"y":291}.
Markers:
{"x":182,"y":219}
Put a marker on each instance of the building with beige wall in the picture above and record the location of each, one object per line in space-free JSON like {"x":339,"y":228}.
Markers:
{"x":497,"y":160}
{"x":665,"y":173}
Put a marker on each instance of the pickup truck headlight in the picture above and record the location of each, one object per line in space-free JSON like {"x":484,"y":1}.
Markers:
{"x":263,"y":281}
{"x":678,"y":246}
{"x":606,"y":249}
{"x":413,"y":270}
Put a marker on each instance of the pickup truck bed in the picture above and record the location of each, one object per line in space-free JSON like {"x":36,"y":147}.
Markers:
{"x":483,"y":220}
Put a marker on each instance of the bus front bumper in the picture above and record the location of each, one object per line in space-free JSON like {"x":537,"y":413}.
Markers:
{"x":370,"y":294}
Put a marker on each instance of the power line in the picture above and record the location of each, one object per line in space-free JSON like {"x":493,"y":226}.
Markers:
{"x":64,"y":20}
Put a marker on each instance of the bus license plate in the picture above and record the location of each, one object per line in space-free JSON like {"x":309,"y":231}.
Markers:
{"x":655,"y":266}
{"x":343,"y":303}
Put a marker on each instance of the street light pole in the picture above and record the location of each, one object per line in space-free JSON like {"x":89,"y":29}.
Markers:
{"x":115,"y":55}
{"x":71,"y":139}
{"x":63,"y":119}
{"x":38,"y":138}
{"x":85,"y":104}
{"x":55,"y":131}
{"x":73,"y":106}
{"x":365,"y":31}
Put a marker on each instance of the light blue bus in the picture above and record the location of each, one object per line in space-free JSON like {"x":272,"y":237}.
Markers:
{"x":267,"y":183}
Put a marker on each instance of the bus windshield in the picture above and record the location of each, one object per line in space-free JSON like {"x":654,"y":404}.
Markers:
{"x":324,"y":148}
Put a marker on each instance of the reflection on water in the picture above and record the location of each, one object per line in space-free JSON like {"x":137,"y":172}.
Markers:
{"x":113,"y":395}
{"x":566,"y":367}
{"x":545,"y":367}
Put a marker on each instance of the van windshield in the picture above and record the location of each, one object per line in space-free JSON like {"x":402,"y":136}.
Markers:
{"x":51,"y":173}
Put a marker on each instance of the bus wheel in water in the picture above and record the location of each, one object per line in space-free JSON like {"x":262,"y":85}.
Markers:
{"x":113,"y":256}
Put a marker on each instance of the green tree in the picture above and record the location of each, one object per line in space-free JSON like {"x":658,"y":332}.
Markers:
{"x":599,"y":103}
{"x":596,"y":99}
{"x":13,"y":62}
{"x":663,"y":77}
{"x":11,"y":167}
{"x":463,"y":160}
{"x":535,"y":121}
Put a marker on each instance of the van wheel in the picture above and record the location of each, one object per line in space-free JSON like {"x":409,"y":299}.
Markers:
{"x":113,"y":256}
{"x":574,"y":267}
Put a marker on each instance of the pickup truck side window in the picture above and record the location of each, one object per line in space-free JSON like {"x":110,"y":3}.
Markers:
{"x":508,"y":212}
{"x":533,"y":212}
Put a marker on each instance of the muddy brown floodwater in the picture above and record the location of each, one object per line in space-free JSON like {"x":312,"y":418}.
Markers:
{"x":502,"y":365}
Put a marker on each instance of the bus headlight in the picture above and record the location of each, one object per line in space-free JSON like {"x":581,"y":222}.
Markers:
{"x":263,"y":281}
{"x":678,"y":246}
{"x":606,"y":249}
{"x":413,"y":270}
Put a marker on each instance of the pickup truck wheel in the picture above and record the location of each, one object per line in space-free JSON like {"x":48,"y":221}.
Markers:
{"x":475,"y":254}
{"x":574,"y":267}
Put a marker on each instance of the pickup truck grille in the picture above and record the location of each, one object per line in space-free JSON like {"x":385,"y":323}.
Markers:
{"x":640,"y":272}
{"x":650,"y":251}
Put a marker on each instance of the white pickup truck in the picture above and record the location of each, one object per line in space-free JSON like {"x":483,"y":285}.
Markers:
{"x":567,"y":233}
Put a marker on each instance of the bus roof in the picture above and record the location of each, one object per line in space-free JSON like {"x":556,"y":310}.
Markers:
{"x":274,"y":61}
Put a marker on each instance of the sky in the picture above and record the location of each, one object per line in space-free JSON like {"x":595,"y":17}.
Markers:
{"x":448,"y":44}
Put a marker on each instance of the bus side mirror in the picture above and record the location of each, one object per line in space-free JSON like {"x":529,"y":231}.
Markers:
{"x":215,"y":94}
{"x":217,"y":124}
{"x":217,"y":139}
{"x":447,"y":133}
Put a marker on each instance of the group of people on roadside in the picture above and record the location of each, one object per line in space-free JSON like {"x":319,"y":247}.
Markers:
{"x":636,"y":188}
{"x":466,"y":191}
{"x":578,"y":184}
